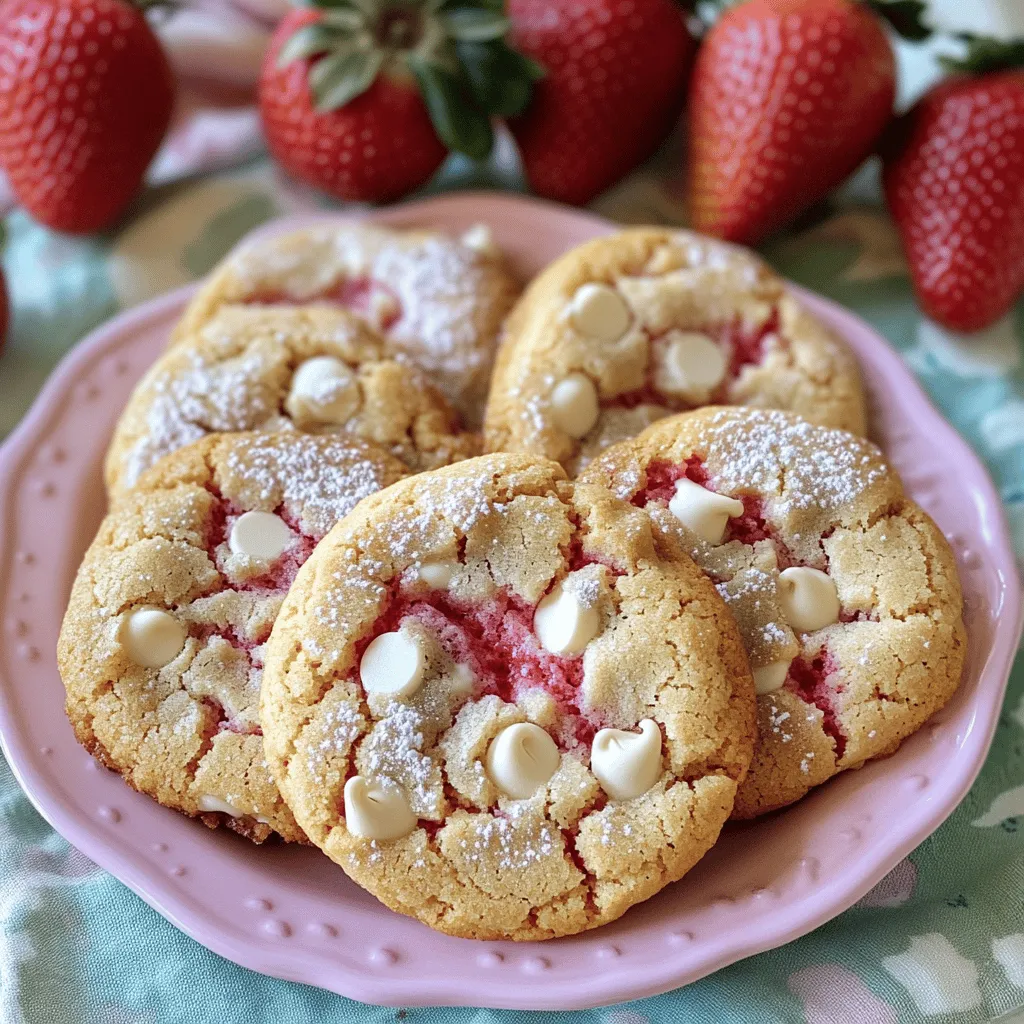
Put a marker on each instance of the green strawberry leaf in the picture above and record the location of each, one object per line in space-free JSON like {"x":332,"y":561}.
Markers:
{"x":322,"y":70}
{"x":344,"y":19}
{"x":497,"y":6}
{"x":904,"y":16}
{"x":340,"y":78}
{"x":308,"y":41}
{"x":462,"y":126}
{"x":986,"y":55}
{"x":473,"y":24}
{"x":500,"y":79}
{"x":338,"y":5}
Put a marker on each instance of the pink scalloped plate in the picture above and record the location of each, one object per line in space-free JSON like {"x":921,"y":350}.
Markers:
{"x":289,"y":912}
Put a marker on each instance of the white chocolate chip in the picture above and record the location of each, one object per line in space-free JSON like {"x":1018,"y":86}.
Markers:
{"x":152,"y":637}
{"x":691,"y":365}
{"x":599,"y":312}
{"x":377,"y":810}
{"x":208,"y":804}
{"x":480,"y":238}
{"x":702,"y":511}
{"x":627,"y":763}
{"x":521,"y":759}
{"x":436,"y":575}
{"x":563,"y":623}
{"x":259,"y":535}
{"x":392,"y":665}
{"x":574,"y":405}
{"x":768,"y":678}
{"x":809,"y":598}
{"x":324,"y":390}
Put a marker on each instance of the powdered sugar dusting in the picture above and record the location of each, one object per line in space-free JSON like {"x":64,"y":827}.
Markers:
{"x":319,"y":480}
{"x":394,"y":751}
{"x":451,"y":296}
{"x":797,"y":464}
{"x":438,"y":282}
{"x":187,"y":404}
{"x":464,"y":505}
{"x":777,"y":721}
{"x":344,"y":723}
{"x":513,"y":843}
{"x":584,"y":586}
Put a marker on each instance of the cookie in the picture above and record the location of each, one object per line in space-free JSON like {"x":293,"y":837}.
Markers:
{"x":439,"y":300}
{"x":319,"y":369}
{"x":845,"y":591}
{"x":498,"y":710}
{"x":162,"y":644}
{"x":627,"y":329}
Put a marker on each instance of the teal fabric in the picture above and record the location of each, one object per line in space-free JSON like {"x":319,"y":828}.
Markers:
{"x":941,"y":938}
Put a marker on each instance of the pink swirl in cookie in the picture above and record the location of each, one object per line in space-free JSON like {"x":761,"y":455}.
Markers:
{"x":371,"y":299}
{"x":497,"y":642}
{"x":842,"y":588}
{"x":748,"y":528}
{"x":741,"y":346}
{"x":438,"y":301}
{"x":812,"y":679}
{"x":749,"y":347}
{"x":508,"y":695}
{"x":279,"y":575}
{"x":662,"y":478}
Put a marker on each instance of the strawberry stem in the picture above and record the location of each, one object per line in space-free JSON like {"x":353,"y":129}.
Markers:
{"x":904,"y":16}
{"x":165,"y":8}
{"x":455,"y":49}
{"x":984,"y":55}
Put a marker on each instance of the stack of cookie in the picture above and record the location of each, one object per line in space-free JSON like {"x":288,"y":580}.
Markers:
{"x":511,"y":694}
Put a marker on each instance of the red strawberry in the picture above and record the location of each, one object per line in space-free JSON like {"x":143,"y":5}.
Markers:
{"x":955,"y":186}
{"x":613,"y":87}
{"x":788,"y":98}
{"x":85,"y":97}
{"x":365,"y":100}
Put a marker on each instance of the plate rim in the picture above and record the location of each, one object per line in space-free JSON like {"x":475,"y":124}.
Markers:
{"x":608,"y":986}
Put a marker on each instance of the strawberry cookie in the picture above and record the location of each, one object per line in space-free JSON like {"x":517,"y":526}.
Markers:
{"x":161,"y":650}
{"x":627,"y":329}
{"x":438,"y":300}
{"x":498,"y":710}
{"x":319,"y":369}
{"x":845,"y":591}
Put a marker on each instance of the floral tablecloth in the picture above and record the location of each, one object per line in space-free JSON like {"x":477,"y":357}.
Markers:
{"x":940,"y":939}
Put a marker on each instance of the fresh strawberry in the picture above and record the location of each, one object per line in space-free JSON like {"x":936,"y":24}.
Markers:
{"x":788,"y":98}
{"x":955,"y":187}
{"x":364,"y":100}
{"x":615,"y":74}
{"x":85,"y":98}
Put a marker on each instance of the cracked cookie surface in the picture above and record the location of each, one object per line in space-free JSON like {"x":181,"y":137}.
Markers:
{"x":161,"y":648}
{"x":497,"y":709}
{"x":317,"y":369}
{"x":845,"y":591}
{"x":627,"y":329}
{"x":439,"y":300}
